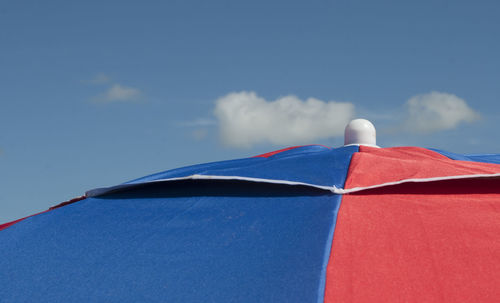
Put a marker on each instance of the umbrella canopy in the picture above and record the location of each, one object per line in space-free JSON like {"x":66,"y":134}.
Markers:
{"x":303,"y":224}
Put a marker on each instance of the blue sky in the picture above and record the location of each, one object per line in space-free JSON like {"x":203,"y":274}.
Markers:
{"x":95,"y":93}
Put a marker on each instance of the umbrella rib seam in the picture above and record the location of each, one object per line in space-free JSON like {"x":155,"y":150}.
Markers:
{"x":415,"y":180}
{"x":334,"y":189}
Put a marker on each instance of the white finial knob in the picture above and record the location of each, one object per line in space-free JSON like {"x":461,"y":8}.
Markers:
{"x":360,"y":132}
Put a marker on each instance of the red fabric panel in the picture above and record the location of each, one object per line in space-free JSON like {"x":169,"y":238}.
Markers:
{"x":418,"y":242}
{"x":372,"y":166}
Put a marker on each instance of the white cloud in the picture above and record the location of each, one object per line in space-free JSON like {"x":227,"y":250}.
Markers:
{"x":246,"y":119}
{"x":117,"y":93}
{"x":437,"y":111}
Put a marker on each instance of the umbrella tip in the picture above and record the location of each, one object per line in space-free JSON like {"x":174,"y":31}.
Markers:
{"x":360,"y":132}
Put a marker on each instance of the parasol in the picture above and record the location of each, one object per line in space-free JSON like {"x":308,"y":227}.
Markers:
{"x":357,"y":223}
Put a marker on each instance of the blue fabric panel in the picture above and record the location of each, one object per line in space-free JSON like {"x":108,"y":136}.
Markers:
{"x":184,"y":241}
{"x":485,"y":158}
{"x":309,"y":164}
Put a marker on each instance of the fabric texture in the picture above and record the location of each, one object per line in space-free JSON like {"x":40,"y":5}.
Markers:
{"x":418,"y":242}
{"x":371,"y":166}
{"x":185,"y":241}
